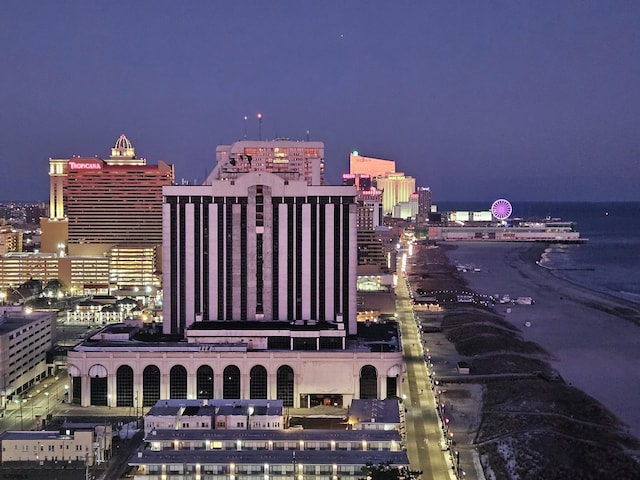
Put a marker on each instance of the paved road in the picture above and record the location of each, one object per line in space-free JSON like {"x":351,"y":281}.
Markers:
{"x":424,"y":434}
{"x":34,"y":405}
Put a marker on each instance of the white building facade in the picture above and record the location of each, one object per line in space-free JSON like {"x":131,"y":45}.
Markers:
{"x":259,"y":248}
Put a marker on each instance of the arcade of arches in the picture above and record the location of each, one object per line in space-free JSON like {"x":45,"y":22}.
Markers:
{"x":125,"y":388}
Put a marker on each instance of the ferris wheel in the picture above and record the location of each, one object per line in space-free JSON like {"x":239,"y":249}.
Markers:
{"x":501,"y":209}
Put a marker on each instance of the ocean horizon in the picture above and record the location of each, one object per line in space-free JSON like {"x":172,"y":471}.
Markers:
{"x":608,"y":262}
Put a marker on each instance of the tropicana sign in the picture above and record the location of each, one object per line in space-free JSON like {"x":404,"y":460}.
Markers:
{"x":91,"y":165}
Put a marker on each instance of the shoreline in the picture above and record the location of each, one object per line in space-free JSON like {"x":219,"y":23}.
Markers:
{"x":579,"y":327}
{"x":621,"y":296}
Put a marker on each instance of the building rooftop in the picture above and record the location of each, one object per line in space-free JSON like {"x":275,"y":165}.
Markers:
{"x":310,"y":325}
{"x":29,"y":435}
{"x":12,"y":320}
{"x":371,"y":337}
{"x":200,"y":407}
{"x":306,"y":435}
{"x":301,"y":457}
{"x":375,"y":411}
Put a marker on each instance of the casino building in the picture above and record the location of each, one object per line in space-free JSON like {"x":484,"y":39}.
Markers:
{"x":109,"y":209}
{"x":259,"y":279}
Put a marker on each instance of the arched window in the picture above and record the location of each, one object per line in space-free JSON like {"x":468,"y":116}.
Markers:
{"x":178,"y":382}
{"x":76,"y":385}
{"x":150,"y":386}
{"x":284,"y":387}
{"x":98,"y":385}
{"x":368,"y":382}
{"x":258,"y":382}
{"x":204,"y":382}
{"x":124,"y":386}
{"x":231,"y":382}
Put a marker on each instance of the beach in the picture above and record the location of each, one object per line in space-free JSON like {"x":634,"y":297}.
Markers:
{"x":593,"y":339}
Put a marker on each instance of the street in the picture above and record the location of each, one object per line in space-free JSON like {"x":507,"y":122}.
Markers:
{"x":424,"y":434}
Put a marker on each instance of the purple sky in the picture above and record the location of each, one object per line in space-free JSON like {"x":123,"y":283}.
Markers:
{"x":476,"y":99}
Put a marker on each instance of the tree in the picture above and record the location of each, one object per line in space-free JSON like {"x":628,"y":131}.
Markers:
{"x":387,"y":471}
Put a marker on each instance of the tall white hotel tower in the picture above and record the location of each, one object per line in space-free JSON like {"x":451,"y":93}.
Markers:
{"x":261,"y":240}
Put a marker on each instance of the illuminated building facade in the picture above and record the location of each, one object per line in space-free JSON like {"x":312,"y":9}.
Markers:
{"x":109,"y":208}
{"x":374,"y":167}
{"x":18,"y":268}
{"x":131,"y":266}
{"x":10,"y":240}
{"x":81,"y":275}
{"x":408,"y":209}
{"x":86,"y":275}
{"x":396,"y":188}
{"x":291,"y":160}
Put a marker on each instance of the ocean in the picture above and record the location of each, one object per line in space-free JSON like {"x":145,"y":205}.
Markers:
{"x":609,"y":262}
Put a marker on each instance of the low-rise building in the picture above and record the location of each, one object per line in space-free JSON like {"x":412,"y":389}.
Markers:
{"x":47,"y":446}
{"x":266,"y":454}
{"x":174,"y":414}
{"x":303,"y":364}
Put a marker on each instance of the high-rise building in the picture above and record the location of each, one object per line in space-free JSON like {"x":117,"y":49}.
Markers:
{"x":396,"y":188}
{"x":424,"y":202}
{"x":106,"y":207}
{"x":107,"y":202}
{"x":374,"y":167}
{"x":292,"y":160}
{"x":361,"y":181}
{"x":369,"y":209}
{"x":259,"y":248}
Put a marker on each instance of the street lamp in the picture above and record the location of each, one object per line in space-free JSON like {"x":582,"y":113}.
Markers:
{"x":46,"y":394}
{"x":19,"y":401}
{"x":249,"y":413}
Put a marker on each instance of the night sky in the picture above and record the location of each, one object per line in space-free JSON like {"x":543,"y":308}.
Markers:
{"x":526,"y":100}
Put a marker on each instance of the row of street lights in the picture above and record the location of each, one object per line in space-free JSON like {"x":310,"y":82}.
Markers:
{"x":29,"y":398}
{"x":447,"y":434}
